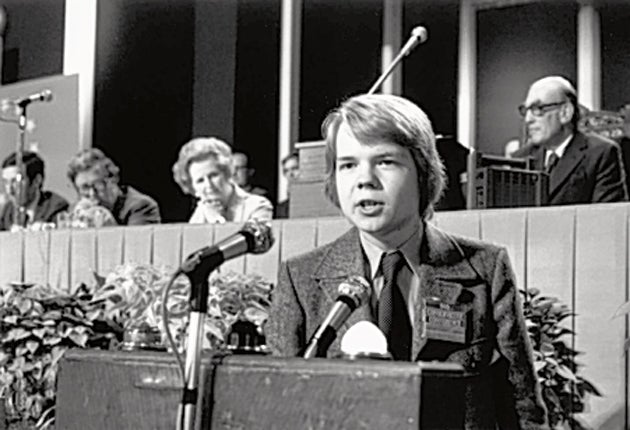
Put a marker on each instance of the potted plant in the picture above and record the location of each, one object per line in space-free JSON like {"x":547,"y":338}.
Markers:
{"x":563,"y":389}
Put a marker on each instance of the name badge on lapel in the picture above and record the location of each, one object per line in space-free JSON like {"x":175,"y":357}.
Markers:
{"x":447,"y":318}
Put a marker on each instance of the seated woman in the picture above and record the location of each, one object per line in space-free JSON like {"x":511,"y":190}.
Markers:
{"x":102,"y":200}
{"x":205,"y":171}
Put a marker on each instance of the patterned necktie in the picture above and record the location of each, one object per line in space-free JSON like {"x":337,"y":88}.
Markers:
{"x":551,"y":162}
{"x":393,"y":317}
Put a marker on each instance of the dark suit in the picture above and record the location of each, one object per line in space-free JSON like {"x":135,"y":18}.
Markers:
{"x":135,"y":208}
{"x":502,"y":387}
{"x":589,"y":171}
{"x":50,"y":204}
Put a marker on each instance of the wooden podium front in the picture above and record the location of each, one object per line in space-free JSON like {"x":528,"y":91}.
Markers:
{"x":141,"y":390}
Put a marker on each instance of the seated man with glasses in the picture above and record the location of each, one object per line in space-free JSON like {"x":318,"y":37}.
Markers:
{"x":582,"y":168}
{"x":95,"y":178}
{"x":40,"y":207}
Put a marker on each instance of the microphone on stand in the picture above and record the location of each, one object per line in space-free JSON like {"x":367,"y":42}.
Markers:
{"x":352,"y":294}
{"x":418,"y":35}
{"x":42,"y":96}
{"x":254,"y":237}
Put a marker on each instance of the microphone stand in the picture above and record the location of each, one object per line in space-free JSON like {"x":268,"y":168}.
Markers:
{"x":403,"y":53}
{"x":199,"y":307}
{"x":197,"y":270}
{"x":19,"y":210}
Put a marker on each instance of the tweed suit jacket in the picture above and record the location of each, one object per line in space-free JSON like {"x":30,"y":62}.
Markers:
{"x":501,"y":389}
{"x":589,"y":171}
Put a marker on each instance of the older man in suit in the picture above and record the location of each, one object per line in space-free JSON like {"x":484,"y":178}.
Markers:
{"x":582,"y":168}
{"x":384,"y":173}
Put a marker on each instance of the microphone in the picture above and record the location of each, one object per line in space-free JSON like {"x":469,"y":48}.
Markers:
{"x":418,"y":35}
{"x":353,"y":292}
{"x":254,"y":237}
{"x":42,"y":96}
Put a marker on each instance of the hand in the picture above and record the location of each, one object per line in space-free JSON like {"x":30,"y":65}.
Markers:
{"x":208,"y":212}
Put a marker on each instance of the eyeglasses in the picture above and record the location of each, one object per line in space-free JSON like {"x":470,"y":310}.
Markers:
{"x":539,"y":110}
{"x":98,"y":187}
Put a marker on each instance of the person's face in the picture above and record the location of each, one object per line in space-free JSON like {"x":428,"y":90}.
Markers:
{"x":242,"y":171}
{"x":210,"y":183}
{"x":29,"y":189}
{"x":377,"y":187}
{"x":550,"y":114}
{"x":291,"y":169}
{"x":93,"y":185}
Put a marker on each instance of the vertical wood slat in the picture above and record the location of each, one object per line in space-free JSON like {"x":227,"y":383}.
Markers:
{"x":462,"y":223}
{"x":508,"y":228}
{"x":329,"y":229}
{"x":550,"y":250}
{"x":109,"y":249}
{"x":82,"y":257}
{"x":600,"y":288}
{"x":196,"y":236}
{"x":36,"y":257}
{"x":138,"y":244}
{"x":298,"y":237}
{"x":59,"y":268}
{"x":266,"y":265}
{"x":167,"y":246}
{"x":11,"y":257}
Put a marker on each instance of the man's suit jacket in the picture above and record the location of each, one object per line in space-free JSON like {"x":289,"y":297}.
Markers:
{"x":50,"y":205}
{"x":135,"y":208}
{"x":502,"y":388}
{"x":589,"y":171}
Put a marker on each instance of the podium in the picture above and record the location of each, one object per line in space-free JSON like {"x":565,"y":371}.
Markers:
{"x":141,"y":390}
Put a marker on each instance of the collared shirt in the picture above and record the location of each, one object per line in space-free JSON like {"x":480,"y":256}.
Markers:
{"x":559,"y":150}
{"x":408,"y":278}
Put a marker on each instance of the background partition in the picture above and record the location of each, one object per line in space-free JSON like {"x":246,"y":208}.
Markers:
{"x":576,"y":253}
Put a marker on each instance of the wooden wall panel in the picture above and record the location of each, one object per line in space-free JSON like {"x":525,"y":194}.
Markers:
{"x":196,"y":236}
{"x":11,"y":257}
{"x":109,"y":249}
{"x":167,"y":246}
{"x":463,"y":223}
{"x":329,"y":229}
{"x":138,"y":244}
{"x":508,"y":228}
{"x":550,"y":251}
{"x":601,"y":286}
{"x":59,"y":269}
{"x":298,"y":237}
{"x":36,"y":256}
{"x":82,"y":257}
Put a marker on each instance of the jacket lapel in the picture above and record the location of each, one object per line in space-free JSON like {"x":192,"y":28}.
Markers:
{"x":441,"y":259}
{"x":343,"y":260}
{"x":572,"y":157}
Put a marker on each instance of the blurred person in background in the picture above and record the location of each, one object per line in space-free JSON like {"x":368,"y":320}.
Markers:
{"x":290,"y":170}
{"x":41,"y":206}
{"x":243,"y":174}
{"x":95,"y":178}
{"x":205,"y":170}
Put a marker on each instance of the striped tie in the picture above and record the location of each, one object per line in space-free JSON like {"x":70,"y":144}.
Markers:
{"x":393,"y":317}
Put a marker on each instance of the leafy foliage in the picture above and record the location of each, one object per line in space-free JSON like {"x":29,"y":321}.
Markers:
{"x":564,"y":391}
{"x":39,"y":323}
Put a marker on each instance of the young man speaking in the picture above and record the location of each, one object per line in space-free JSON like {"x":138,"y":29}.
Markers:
{"x":384,"y":173}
